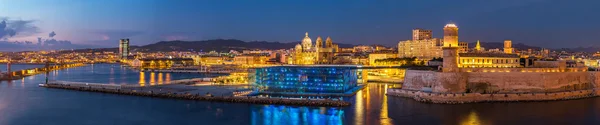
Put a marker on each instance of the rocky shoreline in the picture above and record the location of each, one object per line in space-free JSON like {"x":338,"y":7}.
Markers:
{"x":188,"y":96}
{"x":460,"y":98}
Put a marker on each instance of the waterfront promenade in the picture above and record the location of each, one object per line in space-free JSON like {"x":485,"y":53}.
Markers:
{"x":184,"y":89}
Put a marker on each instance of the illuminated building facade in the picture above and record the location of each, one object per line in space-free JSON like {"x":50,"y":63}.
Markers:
{"x":362,"y":49}
{"x":307,"y":79}
{"x":250,"y":59}
{"x":162,"y":63}
{"x":376,"y":56}
{"x":208,"y":59}
{"x":464,"y":47}
{"x":422,"y":49}
{"x":307,"y":54}
{"x":489,"y":60}
{"x":123,"y":48}
{"x":508,"y":47}
{"x":421,"y":34}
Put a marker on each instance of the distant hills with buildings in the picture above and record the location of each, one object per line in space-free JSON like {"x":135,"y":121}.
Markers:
{"x":500,"y":45}
{"x":219,"y":45}
{"x":521,"y":46}
{"x":225,"y":45}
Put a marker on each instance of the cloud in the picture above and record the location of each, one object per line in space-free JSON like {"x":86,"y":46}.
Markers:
{"x":11,"y":28}
{"x":52,"y":34}
{"x":6,"y":32}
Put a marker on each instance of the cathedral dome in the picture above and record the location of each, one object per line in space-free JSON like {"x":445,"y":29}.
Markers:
{"x":306,"y":42}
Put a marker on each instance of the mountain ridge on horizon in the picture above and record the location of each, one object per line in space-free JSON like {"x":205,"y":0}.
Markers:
{"x":224,"y":45}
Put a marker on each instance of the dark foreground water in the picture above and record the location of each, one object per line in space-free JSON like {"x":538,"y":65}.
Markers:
{"x":22,"y":102}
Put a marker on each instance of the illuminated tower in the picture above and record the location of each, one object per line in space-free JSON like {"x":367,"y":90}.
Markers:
{"x":306,"y":42}
{"x":328,"y":42}
{"x":450,"y":59}
{"x":123,"y":48}
{"x":421,"y":34}
{"x":478,"y":46}
{"x":450,"y":35}
{"x":450,"y":48}
{"x":319,"y":43}
{"x":298,"y":55}
{"x":508,"y":47}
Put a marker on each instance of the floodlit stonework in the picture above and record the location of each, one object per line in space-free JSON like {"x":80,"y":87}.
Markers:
{"x":307,"y":54}
{"x":480,"y":76}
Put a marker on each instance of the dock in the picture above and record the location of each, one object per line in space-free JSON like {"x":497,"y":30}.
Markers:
{"x":182,"y":90}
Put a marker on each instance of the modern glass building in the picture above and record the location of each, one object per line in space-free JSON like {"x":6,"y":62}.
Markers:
{"x":307,"y":79}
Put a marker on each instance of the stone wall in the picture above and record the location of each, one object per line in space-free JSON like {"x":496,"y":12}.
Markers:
{"x":510,"y":82}
{"x":441,"y":82}
{"x":595,"y":79}
{"x":499,"y":82}
{"x":498,"y":86}
{"x":477,"y":97}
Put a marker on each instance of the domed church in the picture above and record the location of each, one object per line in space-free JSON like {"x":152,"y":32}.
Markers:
{"x":306,"y":54}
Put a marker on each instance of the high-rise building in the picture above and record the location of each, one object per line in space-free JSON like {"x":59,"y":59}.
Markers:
{"x":421,"y":34}
{"x":123,"y":48}
{"x":450,"y":35}
{"x":508,"y":47}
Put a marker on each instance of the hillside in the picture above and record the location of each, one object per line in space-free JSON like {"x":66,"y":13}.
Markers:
{"x":220,"y":45}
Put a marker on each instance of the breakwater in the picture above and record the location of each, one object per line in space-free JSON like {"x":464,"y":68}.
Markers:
{"x":450,"y":98}
{"x":149,"y":92}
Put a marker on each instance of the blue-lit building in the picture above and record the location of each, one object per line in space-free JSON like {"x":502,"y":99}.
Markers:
{"x":307,"y":79}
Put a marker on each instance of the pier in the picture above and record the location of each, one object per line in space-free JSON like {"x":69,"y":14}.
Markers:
{"x":14,"y":75}
{"x":185,"y":89}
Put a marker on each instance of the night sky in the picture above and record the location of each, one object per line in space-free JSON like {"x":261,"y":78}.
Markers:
{"x":544,"y":23}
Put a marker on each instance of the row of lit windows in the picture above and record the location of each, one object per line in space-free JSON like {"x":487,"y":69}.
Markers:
{"x":489,"y":61}
{"x":488,"y":66}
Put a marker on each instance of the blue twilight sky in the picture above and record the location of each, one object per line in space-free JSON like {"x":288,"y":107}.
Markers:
{"x":100,"y":23}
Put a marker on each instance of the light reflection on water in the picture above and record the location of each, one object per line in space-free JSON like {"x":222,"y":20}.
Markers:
{"x":472,"y":119}
{"x":289,"y":115}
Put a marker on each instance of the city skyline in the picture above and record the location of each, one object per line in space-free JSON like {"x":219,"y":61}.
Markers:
{"x":102,"y":24}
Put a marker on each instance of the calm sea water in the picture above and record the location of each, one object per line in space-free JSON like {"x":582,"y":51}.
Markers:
{"x":16,"y":67}
{"x":22,"y":102}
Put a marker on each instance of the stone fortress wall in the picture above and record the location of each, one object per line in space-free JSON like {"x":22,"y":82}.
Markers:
{"x":544,"y":80}
{"x":478,"y":97}
{"x":462,"y":87}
